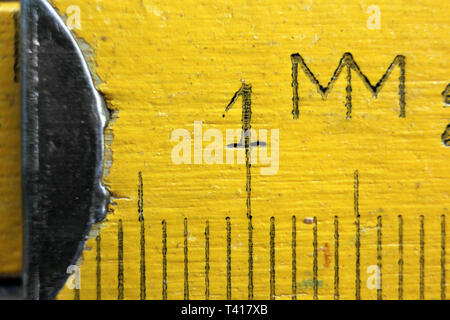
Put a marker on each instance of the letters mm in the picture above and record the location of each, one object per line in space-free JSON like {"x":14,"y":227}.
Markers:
{"x":350,"y":64}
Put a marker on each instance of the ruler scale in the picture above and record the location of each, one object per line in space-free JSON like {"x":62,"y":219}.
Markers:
{"x":272,"y":277}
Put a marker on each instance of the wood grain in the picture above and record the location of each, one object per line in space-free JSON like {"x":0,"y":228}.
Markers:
{"x":10,"y":165}
{"x":365,"y":192}
{"x":166,"y":64}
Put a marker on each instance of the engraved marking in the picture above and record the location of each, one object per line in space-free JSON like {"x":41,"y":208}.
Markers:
{"x":207,"y":267}
{"x":347,"y":61}
{"x":315,"y":264}
{"x":99,"y":270}
{"x":246,"y":93}
{"x":336,"y":258}
{"x":186,"y":261}
{"x":228,"y":258}
{"x":400,"y":257}
{"x":164,"y":260}
{"x":120,"y":275}
{"x":272,"y":258}
{"x":443,"y":257}
{"x":294,"y":258}
{"x":422,"y":257}
{"x":379,"y":259}
{"x":143,"y":291}
{"x":446,"y":96}
{"x":358,"y":237}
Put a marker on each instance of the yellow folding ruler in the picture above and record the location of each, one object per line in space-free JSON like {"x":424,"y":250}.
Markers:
{"x":261,"y":149}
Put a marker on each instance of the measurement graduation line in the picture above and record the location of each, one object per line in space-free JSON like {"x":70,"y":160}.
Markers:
{"x":164,"y":260}
{"x":272,"y":258}
{"x":358,"y":236}
{"x":379,"y":259}
{"x":143,"y":291}
{"x":228,"y":258}
{"x":315,"y":263}
{"x":336,"y":258}
{"x":443,"y":296}
{"x":207,"y":267}
{"x":99,"y":270}
{"x":120,"y":276}
{"x":422,"y":257}
{"x":186,"y":261}
{"x":294,"y":258}
{"x":400,"y":257}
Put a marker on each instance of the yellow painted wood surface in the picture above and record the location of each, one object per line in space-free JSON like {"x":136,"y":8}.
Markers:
{"x":165,"y":64}
{"x":10,"y":180}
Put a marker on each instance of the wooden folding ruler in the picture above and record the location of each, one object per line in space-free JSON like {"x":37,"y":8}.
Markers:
{"x":326,"y":178}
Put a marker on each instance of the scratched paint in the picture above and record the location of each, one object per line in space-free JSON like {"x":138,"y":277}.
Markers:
{"x":166,"y":64}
